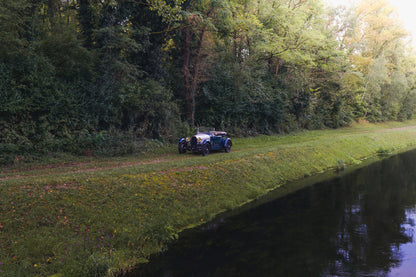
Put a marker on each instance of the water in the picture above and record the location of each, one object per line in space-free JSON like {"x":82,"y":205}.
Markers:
{"x":360,"y":224}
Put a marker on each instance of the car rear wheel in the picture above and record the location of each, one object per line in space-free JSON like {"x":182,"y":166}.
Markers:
{"x":205,"y":150}
{"x":182,"y":148}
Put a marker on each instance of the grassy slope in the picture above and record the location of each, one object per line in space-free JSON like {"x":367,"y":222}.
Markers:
{"x":92,"y":215}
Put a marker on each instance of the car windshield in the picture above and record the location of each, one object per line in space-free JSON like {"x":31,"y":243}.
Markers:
{"x":205,"y":129}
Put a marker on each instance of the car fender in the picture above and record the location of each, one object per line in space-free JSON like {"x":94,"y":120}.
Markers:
{"x":182,"y":140}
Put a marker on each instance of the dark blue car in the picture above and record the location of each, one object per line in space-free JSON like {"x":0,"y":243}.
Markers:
{"x":205,"y":142}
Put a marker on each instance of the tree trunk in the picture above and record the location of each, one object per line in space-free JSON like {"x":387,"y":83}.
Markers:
{"x":195,"y":77}
{"x":277,"y":69}
{"x":52,"y":8}
{"x":85,"y":19}
{"x":191,"y":77}
{"x":187,"y":74}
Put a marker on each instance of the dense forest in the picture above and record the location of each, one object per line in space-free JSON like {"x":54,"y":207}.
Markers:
{"x":108,"y":75}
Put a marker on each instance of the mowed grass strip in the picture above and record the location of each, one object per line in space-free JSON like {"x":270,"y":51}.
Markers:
{"x":97,"y":220}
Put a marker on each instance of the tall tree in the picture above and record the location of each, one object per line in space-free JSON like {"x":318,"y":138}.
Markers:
{"x":199,"y":21}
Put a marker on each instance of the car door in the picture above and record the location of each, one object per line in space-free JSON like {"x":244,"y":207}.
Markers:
{"x":215,"y":142}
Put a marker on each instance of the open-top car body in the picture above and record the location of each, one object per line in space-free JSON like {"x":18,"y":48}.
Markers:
{"x":205,"y":142}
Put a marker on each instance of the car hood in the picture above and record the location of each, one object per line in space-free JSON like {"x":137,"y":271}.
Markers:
{"x":202,"y":136}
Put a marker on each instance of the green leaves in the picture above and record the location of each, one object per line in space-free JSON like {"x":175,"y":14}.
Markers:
{"x":14,"y":25}
{"x":150,"y":68}
{"x":170,"y":12}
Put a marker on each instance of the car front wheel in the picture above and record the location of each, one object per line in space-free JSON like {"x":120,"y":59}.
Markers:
{"x":205,"y":150}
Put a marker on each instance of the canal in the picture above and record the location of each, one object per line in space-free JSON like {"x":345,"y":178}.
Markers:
{"x":358,"y":224}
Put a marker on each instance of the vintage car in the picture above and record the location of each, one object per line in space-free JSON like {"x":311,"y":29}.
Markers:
{"x":205,"y":142}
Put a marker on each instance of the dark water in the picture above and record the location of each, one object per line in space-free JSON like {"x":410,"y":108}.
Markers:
{"x":361,"y":224}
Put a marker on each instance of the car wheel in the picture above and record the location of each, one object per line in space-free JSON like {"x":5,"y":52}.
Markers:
{"x":182,"y":148}
{"x":228,"y":147}
{"x":205,"y":150}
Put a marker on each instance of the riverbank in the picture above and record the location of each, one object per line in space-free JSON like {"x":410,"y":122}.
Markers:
{"x":92,"y":217}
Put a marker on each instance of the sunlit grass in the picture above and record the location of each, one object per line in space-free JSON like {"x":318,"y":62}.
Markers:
{"x":94,"y":216}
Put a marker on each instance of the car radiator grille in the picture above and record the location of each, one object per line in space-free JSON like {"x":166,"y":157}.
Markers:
{"x":194,"y":142}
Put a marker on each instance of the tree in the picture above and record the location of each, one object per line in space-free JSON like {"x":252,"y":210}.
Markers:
{"x":374,"y":39}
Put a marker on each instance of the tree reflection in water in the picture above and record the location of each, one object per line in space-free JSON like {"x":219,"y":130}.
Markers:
{"x":354,"y":225}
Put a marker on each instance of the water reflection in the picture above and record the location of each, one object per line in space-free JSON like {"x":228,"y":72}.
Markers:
{"x":359,"y":225}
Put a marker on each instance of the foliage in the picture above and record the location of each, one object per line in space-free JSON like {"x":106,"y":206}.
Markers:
{"x":73,"y":70}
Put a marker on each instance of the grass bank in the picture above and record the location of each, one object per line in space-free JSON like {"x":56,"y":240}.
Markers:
{"x":92,"y":217}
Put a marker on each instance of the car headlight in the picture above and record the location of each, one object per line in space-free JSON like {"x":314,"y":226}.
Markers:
{"x":188,"y":139}
{"x":199,"y":139}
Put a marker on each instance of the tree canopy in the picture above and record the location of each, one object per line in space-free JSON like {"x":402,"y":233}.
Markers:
{"x":76,"y":74}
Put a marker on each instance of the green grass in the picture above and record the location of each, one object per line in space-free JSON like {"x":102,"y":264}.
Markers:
{"x":76,"y":216}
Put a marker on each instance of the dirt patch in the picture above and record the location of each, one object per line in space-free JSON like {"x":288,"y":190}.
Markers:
{"x":69,"y":168}
{"x":362,"y":121}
